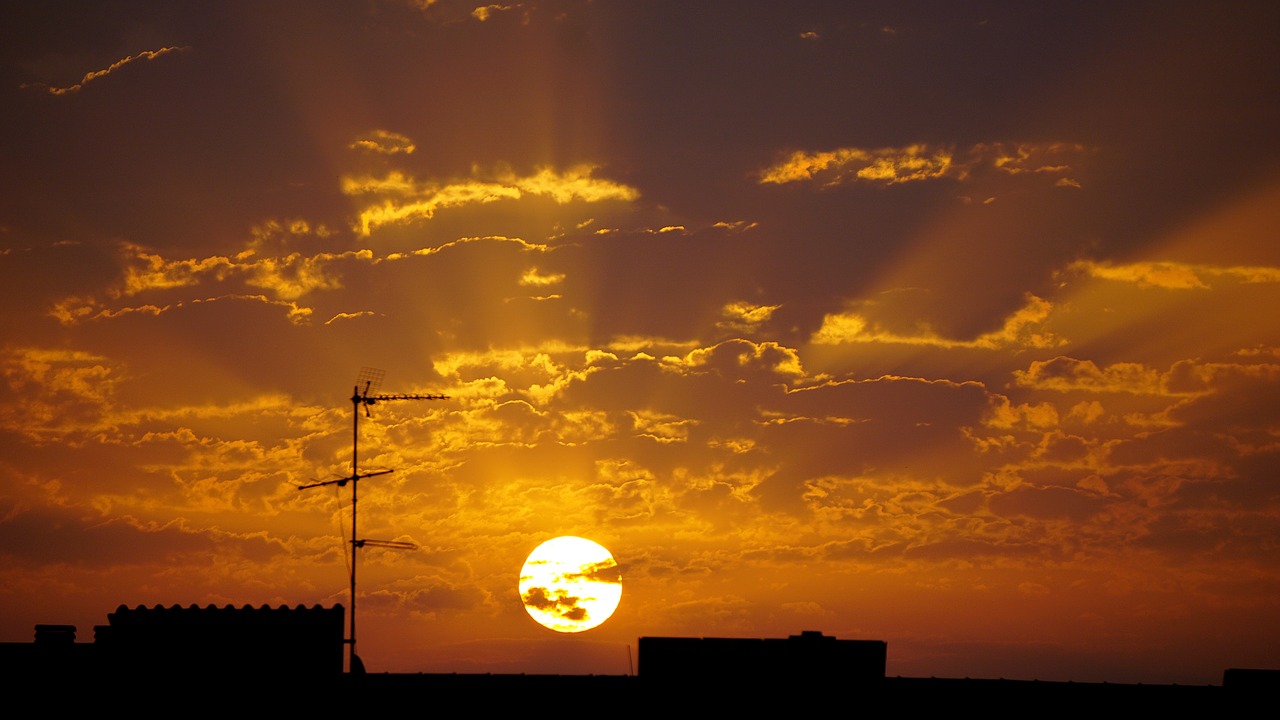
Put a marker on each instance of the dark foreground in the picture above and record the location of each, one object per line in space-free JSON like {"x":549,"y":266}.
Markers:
{"x":252,"y":661}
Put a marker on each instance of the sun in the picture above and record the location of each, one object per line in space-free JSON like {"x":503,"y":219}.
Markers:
{"x":570,"y":584}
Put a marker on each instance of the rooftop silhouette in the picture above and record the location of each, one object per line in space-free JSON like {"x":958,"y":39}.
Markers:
{"x":230,"y":654}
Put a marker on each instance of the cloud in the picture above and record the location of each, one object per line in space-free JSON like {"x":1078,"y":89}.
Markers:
{"x":736,"y":225}
{"x":556,"y":603}
{"x":661,"y":427}
{"x":438,"y":595}
{"x":1065,"y":374}
{"x":484,"y":12}
{"x":265,"y":264}
{"x":887,"y":166}
{"x":1185,"y":379}
{"x":411,"y":201}
{"x":742,"y":359}
{"x":606,"y":571}
{"x":744,"y":317}
{"x":72,"y":311}
{"x":522,"y":245}
{"x":1019,"y":158}
{"x":110,"y":543}
{"x":150,"y":271}
{"x":1174,"y":275}
{"x":920,"y":162}
{"x":384,"y":142}
{"x":288,"y":277}
{"x":349,"y":316}
{"x":117,"y":65}
{"x":55,"y":371}
{"x":1023,"y":328}
{"x":533,"y":278}
{"x":49,"y":392}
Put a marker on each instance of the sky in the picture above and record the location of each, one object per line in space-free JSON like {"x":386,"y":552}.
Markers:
{"x":951,"y":325}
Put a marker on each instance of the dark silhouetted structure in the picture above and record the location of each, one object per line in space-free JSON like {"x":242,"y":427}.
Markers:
{"x":257,"y":659}
{"x":809,"y":656}
{"x":189,"y":642}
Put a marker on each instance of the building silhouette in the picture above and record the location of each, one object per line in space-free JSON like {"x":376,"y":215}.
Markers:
{"x":202,"y":642}
{"x":247,"y":661}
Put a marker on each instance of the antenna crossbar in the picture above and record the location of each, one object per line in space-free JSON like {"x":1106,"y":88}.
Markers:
{"x":342,"y":482}
{"x":393,"y":544}
{"x":402,"y":396}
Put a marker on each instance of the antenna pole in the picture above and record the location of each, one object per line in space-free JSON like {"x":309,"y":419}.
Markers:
{"x":366,"y":399}
{"x":355,"y":477}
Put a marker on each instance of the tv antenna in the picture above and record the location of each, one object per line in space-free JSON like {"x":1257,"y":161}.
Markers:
{"x":371,"y":378}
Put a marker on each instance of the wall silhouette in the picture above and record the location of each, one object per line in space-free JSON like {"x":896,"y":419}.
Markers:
{"x":810,"y":655}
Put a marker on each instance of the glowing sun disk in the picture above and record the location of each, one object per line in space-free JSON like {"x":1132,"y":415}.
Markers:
{"x":570,"y":584}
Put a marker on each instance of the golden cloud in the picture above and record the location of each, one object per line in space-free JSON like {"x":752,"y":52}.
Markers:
{"x":1066,"y":374}
{"x":884,"y":165}
{"x":384,"y":142}
{"x":735,"y":357}
{"x":1024,"y":328}
{"x":536,"y":357}
{"x":58,"y":371}
{"x":349,"y":316}
{"x":524,"y":245}
{"x":294,"y":276}
{"x":393,"y":183}
{"x":1005,"y":415}
{"x":423,"y":200}
{"x":275,"y":404}
{"x":913,"y":163}
{"x":484,"y":12}
{"x":661,"y":427}
{"x":94,"y":75}
{"x":275,"y":235}
{"x":533,"y":278}
{"x":61,"y":391}
{"x":287,"y":277}
{"x":150,"y":271}
{"x":1018,"y":158}
{"x":1174,"y":275}
{"x":736,"y":225}
{"x":573,"y":184}
{"x":744,"y":317}
{"x":71,"y":311}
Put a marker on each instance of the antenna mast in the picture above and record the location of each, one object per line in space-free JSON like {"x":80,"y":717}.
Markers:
{"x":372,"y":380}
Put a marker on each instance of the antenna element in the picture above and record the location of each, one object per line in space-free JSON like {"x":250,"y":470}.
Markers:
{"x":371,"y":379}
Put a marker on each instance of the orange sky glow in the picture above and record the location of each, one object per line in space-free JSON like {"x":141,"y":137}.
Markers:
{"x":949,"y":325}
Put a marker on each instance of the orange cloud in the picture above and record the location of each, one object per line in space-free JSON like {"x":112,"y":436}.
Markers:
{"x":286,"y":277}
{"x":484,"y":12}
{"x":384,"y":142}
{"x":888,"y":166}
{"x":421,"y":201}
{"x":1175,"y":275}
{"x":661,"y":427}
{"x":1066,"y":374}
{"x":349,"y":316}
{"x":521,"y":244}
{"x":96,"y":74}
{"x":744,"y":317}
{"x":533,"y":278}
{"x":74,"y":310}
{"x":73,"y":373}
{"x":1024,"y":328}
{"x":913,"y":163}
{"x":738,"y":358}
